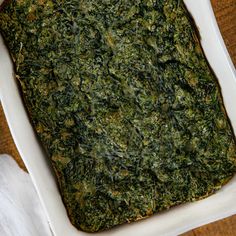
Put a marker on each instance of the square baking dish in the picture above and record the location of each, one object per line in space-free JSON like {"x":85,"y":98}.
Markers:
{"x":172,"y":222}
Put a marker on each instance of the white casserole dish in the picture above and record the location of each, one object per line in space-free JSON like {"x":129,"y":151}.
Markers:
{"x":172,"y":222}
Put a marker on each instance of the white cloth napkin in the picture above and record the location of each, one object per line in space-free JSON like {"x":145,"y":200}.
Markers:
{"x":21,"y":213}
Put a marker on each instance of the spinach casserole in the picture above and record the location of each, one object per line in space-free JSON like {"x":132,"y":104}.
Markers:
{"x":124,"y":102}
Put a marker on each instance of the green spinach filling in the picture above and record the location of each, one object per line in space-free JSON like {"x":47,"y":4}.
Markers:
{"x":125,"y":103}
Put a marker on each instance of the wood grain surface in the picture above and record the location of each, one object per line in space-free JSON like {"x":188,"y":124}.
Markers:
{"x":225,"y":11}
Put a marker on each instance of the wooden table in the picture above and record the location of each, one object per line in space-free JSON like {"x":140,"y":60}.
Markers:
{"x":225,"y":11}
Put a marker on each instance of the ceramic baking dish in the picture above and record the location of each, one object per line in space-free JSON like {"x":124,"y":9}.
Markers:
{"x":172,"y":222}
